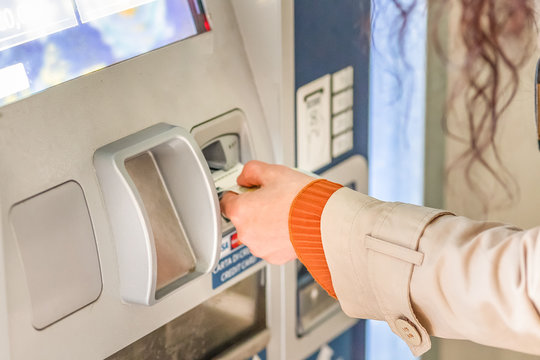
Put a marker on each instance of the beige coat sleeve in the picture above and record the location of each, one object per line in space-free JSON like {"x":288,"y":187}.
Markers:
{"x":425,"y":271}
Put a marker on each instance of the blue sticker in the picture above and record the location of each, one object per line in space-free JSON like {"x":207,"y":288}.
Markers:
{"x":232,"y":265}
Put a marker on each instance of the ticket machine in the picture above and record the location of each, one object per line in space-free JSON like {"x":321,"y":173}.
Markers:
{"x":118,"y":121}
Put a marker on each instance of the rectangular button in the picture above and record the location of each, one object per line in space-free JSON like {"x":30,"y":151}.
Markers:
{"x":342,"y":79}
{"x":342,"y":101}
{"x":342,"y":122}
{"x":342,"y":143}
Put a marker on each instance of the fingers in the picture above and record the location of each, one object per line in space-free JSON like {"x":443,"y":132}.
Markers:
{"x":253,"y":174}
{"x":228,"y":203}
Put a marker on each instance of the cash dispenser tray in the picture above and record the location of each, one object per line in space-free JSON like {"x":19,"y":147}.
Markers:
{"x":163,"y":209}
{"x":229,"y":326}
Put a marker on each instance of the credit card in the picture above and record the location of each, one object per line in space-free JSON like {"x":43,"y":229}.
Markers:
{"x":225,"y":180}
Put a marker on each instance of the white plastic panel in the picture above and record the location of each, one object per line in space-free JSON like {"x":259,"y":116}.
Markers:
{"x":313,"y":124}
{"x":57,"y":246}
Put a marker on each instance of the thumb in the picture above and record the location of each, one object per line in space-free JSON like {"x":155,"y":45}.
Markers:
{"x":228,"y":204}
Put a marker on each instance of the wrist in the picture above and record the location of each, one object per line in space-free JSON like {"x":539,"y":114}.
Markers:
{"x":305,"y":229}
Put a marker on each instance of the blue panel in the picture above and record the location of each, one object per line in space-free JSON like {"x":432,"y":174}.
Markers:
{"x":329,"y":36}
{"x":347,"y":346}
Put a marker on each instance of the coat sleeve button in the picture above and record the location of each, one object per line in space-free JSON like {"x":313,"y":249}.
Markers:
{"x":408,"y":332}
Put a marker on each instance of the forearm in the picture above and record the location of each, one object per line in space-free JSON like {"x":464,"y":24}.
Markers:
{"x":356,"y":231}
{"x":431,"y":272}
{"x":479,"y":281}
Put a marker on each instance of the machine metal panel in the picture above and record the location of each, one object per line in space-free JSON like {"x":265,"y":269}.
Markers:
{"x":57,"y":246}
{"x":174,"y":256}
{"x":50,"y":138}
{"x":230,"y":325}
{"x":183,"y":183}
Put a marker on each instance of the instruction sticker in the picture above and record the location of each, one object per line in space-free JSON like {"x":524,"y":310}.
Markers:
{"x":235,"y":259}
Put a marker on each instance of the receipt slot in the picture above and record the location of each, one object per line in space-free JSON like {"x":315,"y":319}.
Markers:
{"x":163,"y":208}
{"x":231,"y":325}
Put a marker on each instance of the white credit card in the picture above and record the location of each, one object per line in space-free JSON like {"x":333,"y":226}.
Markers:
{"x":225,"y":180}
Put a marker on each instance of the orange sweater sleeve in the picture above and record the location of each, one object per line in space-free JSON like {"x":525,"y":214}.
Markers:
{"x":305,"y":229}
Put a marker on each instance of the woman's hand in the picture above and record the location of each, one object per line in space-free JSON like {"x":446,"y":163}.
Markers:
{"x":261,"y":217}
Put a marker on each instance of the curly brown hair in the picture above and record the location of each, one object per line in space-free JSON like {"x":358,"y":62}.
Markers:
{"x":498,"y":39}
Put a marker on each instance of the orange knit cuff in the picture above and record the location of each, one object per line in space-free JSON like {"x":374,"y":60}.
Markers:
{"x":305,"y":229}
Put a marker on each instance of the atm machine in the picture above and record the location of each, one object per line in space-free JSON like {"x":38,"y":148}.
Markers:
{"x":118,"y":121}
{"x":111,"y":238}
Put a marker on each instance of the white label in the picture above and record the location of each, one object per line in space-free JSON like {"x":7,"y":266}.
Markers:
{"x":94,"y":9}
{"x":342,"y":101}
{"x":13,"y":79}
{"x":342,"y":122}
{"x":25,"y":20}
{"x":342,"y":79}
{"x":342,"y":143}
{"x":313,"y":124}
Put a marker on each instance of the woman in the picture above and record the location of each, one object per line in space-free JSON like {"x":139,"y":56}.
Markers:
{"x":424,"y":271}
